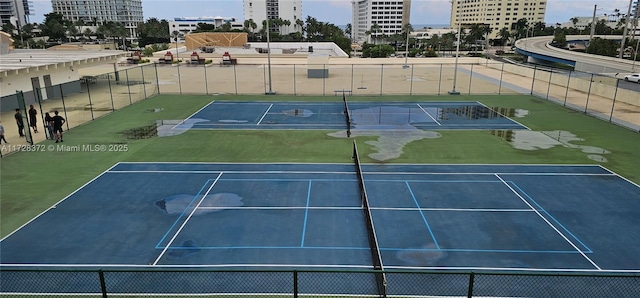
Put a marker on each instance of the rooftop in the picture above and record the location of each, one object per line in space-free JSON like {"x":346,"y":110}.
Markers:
{"x":26,"y":60}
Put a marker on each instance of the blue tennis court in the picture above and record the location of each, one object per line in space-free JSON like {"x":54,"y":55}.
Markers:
{"x":363,"y":116}
{"x":498,"y":217}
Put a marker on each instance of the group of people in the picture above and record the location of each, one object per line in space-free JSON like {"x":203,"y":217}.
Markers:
{"x":52,"y":124}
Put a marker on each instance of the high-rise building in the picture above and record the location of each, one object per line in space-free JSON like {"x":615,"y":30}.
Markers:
{"x":496,"y":14}
{"x":126,"y":12}
{"x":287,"y":10}
{"x":15,"y":12}
{"x":378,"y":18}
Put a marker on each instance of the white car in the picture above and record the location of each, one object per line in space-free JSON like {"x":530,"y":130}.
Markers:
{"x":633,"y":78}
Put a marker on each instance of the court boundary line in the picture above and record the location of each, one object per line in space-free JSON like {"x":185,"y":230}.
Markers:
{"x":429,"y":114}
{"x":372,"y":208}
{"x":187,"y":220}
{"x":58,"y":202}
{"x":424,"y":218}
{"x":551,"y":216}
{"x":196,"y":112}
{"x":264,"y":115}
{"x":549,"y":223}
{"x":503,"y":115}
{"x":124,"y":266}
{"x":306,"y":214}
{"x":182,"y":213}
{"x":620,"y":176}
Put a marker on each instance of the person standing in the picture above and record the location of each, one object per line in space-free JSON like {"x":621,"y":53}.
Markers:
{"x":58,"y":121}
{"x":19,"y":122}
{"x":33,"y":119}
{"x":2,"y":135}
{"x":48,"y":123}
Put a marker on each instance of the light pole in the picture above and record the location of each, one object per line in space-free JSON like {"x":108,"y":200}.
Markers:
{"x":406,"y":51}
{"x":624,"y":32}
{"x":455,"y":70}
{"x":270,"y":92}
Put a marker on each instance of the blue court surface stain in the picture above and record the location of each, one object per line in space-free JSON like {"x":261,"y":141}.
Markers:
{"x":309,"y":216}
{"x":363,"y":116}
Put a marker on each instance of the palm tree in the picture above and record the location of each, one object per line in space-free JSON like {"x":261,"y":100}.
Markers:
{"x":574,"y":20}
{"x":87,"y":33}
{"x":374,"y":31}
{"x":504,"y":35}
{"x":347,"y":31}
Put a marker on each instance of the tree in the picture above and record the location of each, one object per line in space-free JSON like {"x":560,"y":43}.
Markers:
{"x":347,"y":30}
{"x":53,"y":26}
{"x":113,"y":30}
{"x":504,"y":35}
{"x":575,"y":20}
{"x":605,"y":47}
{"x":204,"y":27}
{"x":560,"y":39}
{"x":87,"y":33}
{"x":153,"y":31}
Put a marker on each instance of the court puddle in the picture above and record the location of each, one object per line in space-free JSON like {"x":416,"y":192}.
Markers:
{"x":390,"y":142}
{"x":540,"y":140}
{"x":177,"y":204}
{"x":167,"y":128}
{"x":429,"y":255}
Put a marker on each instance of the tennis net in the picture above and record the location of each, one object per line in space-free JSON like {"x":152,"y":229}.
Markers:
{"x":347,"y":115}
{"x":381,"y":280}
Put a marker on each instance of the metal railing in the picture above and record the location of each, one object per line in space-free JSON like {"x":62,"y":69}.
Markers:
{"x":291,"y":283}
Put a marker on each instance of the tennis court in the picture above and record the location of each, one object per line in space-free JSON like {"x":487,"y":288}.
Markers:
{"x":550,"y":218}
{"x":362,"y":116}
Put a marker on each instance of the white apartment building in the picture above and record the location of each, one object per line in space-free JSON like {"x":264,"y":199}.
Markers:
{"x":126,"y":12}
{"x":497,"y":14}
{"x":188,"y":25}
{"x":260,"y":10}
{"x":389,"y":15}
{"x":15,"y":12}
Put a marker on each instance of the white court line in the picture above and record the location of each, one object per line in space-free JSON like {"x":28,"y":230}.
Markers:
{"x":283,"y":208}
{"x":232,"y":172}
{"x":196,"y":112}
{"x":54,"y":205}
{"x":616,"y":174}
{"x":503,"y":115}
{"x":425,"y":111}
{"x":549,"y":223}
{"x":453,"y":209}
{"x":444,"y":269}
{"x":265,"y":114}
{"x":187,"y":220}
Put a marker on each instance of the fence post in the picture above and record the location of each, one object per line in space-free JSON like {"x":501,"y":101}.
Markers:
{"x":144,"y":88}
{"x":206,"y":82}
{"x":566,"y":92}
{"x":440,"y":79}
{"x":235,"y":79}
{"x":113,"y":107}
{"x":103,"y":285}
{"x":501,"y":75}
{"x":586,"y":105}
{"x":64,"y":107}
{"x":179,"y":79}
{"x":351,"y":78}
{"x":90,"y":103}
{"x":470,"y":78}
{"x":295,"y":283}
{"x":126,"y":72}
{"x":549,"y":85}
{"x":470,"y":290}
{"x":381,"y":77}
{"x":324,"y":78}
{"x":411,"y":80}
{"x":614,"y":99}
{"x":155,"y":66}
{"x":294,"y":80}
{"x":533,"y":80}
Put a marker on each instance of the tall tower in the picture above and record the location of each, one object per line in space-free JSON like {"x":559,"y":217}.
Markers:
{"x":15,"y":12}
{"x":497,"y":14}
{"x":288,"y":10}
{"x":126,"y":12}
{"x":389,"y":16}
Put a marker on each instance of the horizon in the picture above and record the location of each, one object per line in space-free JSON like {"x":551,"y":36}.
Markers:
{"x":338,"y":12}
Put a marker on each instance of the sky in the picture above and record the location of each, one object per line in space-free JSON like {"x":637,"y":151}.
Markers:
{"x":338,"y":12}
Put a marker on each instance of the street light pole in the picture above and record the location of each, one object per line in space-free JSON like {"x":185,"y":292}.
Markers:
{"x":406,"y":51}
{"x":270,"y":92}
{"x":455,"y":71}
{"x":624,"y":32}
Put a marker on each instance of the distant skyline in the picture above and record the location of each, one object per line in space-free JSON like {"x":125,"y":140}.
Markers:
{"x":338,"y":12}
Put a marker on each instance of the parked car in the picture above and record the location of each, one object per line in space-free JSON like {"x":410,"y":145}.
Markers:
{"x":633,"y":78}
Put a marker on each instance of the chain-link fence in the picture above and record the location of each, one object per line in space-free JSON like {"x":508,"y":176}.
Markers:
{"x":198,"y":282}
{"x":602,"y":96}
